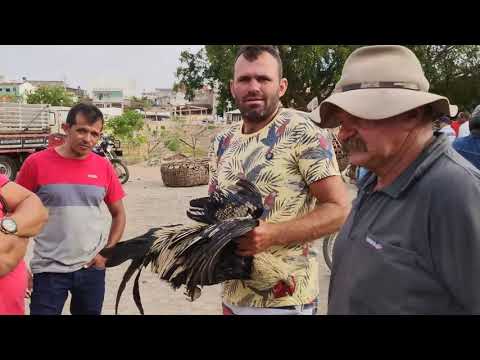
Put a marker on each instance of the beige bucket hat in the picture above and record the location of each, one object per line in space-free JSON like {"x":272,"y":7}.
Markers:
{"x":379,"y":82}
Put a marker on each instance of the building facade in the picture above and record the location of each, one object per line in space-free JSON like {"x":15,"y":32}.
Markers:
{"x":108,"y":98}
{"x":16,"y":89}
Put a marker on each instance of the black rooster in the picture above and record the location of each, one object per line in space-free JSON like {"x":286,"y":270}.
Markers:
{"x":195,"y":255}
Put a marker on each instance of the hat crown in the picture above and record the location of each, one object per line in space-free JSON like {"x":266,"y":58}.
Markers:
{"x":391,"y":65}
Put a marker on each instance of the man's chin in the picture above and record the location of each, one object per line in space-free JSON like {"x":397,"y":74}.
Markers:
{"x":83,"y":151}
{"x":254,"y":116}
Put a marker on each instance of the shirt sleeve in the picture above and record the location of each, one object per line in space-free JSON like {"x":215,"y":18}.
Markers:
{"x":26,"y":177}
{"x":3,"y":180}
{"x":115,"y":190}
{"x":455,"y":239}
{"x":464,"y":130}
{"x":315,"y":154}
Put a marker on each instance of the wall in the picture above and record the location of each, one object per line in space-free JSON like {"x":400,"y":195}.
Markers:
{"x":111,"y":112}
{"x":107,"y":95}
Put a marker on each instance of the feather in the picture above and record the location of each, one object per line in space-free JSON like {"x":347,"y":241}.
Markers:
{"x":239,"y":200}
{"x":195,"y":255}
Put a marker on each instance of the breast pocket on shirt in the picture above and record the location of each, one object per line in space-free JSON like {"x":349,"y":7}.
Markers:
{"x":386,"y":277}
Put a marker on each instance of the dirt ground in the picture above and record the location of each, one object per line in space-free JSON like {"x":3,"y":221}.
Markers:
{"x":148,"y":204}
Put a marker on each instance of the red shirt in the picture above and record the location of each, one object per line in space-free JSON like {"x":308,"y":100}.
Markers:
{"x":13,"y":285}
{"x":72,"y":190}
{"x":455,"y":126}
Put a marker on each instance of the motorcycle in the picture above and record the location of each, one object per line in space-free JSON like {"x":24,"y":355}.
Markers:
{"x":110,"y":149}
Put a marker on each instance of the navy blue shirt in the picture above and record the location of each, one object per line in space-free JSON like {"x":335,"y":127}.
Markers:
{"x":469,"y":148}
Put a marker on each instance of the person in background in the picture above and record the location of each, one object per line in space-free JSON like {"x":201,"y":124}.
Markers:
{"x":22,"y":215}
{"x":461,"y":118}
{"x":464,"y":129}
{"x":446,"y":128}
{"x":72,"y":182}
{"x":469,"y":146}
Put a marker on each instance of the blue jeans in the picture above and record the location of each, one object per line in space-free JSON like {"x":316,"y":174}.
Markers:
{"x":50,"y":291}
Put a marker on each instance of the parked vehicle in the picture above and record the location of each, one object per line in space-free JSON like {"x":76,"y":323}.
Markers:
{"x":24,"y":129}
{"x":110,"y":149}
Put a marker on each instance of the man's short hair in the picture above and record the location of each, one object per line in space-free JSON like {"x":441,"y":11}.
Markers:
{"x":90,"y":112}
{"x":252,"y":52}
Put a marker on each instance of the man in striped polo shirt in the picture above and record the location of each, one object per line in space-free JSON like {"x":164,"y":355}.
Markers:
{"x":72,"y":182}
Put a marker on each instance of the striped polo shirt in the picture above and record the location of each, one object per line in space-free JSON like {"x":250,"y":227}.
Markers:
{"x":72,"y":190}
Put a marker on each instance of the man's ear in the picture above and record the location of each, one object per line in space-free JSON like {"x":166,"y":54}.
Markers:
{"x":65,"y":128}
{"x":231,"y":89}
{"x":283,"y":87}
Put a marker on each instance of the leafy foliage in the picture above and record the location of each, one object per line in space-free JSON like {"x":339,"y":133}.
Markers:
{"x":313,"y":70}
{"x":127,"y":127}
{"x":53,"y":95}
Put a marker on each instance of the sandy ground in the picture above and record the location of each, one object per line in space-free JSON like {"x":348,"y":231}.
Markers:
{"x":149,"y":204}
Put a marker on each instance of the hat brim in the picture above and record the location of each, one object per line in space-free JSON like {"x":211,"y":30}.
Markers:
{"x":377,"y":104}
{"x":315,"y":115}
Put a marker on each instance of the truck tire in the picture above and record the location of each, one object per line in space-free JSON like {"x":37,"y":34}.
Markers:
{"x":121,"y":170}
{"x":8,"y":167}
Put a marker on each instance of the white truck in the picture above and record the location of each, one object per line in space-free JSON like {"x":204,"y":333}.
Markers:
{"x":24,"y":129}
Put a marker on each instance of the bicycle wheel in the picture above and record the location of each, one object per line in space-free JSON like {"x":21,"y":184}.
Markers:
{"x":327,"y":248}
{"x":121,"y":170}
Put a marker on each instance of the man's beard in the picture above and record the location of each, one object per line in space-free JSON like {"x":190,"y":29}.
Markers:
{"x":259,"y":114}
{"x":354,"y":145}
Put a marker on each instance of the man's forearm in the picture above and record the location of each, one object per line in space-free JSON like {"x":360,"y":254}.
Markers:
{"x":116,"y":229}
{"x":30,"y":216}
{"x":324,"y":219}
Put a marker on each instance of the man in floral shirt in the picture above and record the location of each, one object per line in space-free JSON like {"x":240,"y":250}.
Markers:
{"x":293,"y":164}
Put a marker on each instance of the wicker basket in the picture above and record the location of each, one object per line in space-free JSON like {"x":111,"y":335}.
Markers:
{"x":183,"y":173}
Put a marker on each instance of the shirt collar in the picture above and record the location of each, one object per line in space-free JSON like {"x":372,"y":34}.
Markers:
{"x":415,"y":170}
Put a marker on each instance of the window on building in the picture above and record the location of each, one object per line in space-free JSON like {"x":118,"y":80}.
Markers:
{"x":7,"y":90}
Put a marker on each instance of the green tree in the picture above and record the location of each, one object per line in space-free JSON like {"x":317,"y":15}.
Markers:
{"x":127,"y":127}
{"x":139,"y":103}
{"x":193,"y":72}
{"x":53,"y":95}
{"x":313,"y":70}
{"x":453,"y":71}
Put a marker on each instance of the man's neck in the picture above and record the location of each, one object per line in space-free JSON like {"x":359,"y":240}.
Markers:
{"x":411,"y":149}
{"x":250,"y":127}
{"x":66,"y":152}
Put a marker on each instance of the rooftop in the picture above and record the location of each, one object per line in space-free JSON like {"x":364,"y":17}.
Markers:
{"x":107,"y":89}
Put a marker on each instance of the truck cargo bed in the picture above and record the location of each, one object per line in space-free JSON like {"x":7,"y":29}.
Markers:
{"x":24,"y":118}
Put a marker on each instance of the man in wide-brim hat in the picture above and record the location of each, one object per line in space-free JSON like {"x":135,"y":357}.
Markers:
{"x":411,"y":244}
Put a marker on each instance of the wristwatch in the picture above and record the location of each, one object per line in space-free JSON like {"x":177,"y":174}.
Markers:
{"x":8,"y":226}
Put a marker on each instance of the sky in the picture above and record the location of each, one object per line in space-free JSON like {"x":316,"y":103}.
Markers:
{"x":133,"y":67}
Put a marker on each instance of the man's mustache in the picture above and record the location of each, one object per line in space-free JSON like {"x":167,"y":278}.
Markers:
{"x":354,"y":144}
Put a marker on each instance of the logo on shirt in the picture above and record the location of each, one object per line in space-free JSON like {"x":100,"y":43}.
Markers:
{"x":92,"y":176}
{"x":375,"y":244}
